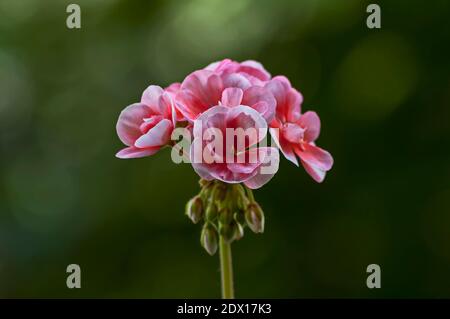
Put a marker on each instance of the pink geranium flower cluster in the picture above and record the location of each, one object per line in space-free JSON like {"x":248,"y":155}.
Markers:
{"x":223,"y":95}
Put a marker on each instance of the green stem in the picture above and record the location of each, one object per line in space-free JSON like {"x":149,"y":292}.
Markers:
{"x":226,"y":269}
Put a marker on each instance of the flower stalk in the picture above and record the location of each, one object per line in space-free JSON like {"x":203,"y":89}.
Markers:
{"x":226,"y":269}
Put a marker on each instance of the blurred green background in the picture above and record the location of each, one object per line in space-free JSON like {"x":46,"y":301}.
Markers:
{"x":383,"y":97}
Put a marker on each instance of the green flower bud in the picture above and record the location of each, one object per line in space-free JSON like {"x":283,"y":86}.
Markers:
{"x":239,"y":217}
{"x":254,"y":216}
{"x":209,"y":238}
{"x":238,"y":230}
{"x":219,"y":192}
{"x":211,"y":211}
{"x":194,"y":209}
{"x":206,"y":191}
{"x":225,"y":216}
{"x":240,"y":198}
{"x":227,"y":232}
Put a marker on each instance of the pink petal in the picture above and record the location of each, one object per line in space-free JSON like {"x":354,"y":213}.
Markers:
{"x":202,"y":170}
{"x":215,"y":88}
{"x":150,"y":122}
{"x":236,"y":80}
{"x":173,"y":88}
{"x":266,"y":170}
{"x":288,"y":99}
{"x":218,"y":171}
{"x":151,"y":95}
{"x":205,"y":85}
{"x":242,"y":168}
{"x":198,"y":92}
{"x":278,"y":87}
{"x":152,"y":98}
{"x":166,"y":105}
{"x":255,"y":69}
{"x":245,"y":118}
{"x":134,"y":152}
{"x":316,"y":173}
{"x":228,"y":176}
{"x":129,"y":122}
{"x":284,"y":146}
{"x":232,"y":97}
{"x":248,"y":161}
{"x":196,"y":82}
{"x":221,"y":65}
{"x":212,"y":66}
{"x":179,"y":117}
{"x":283,"y":80}
{"x":315,"y":156}
{"x":223,"y":173}
{"x":167,"y":99}
{"x":212,"y":118}
{"x":292,"y":132}
{"x":254,"y":95}
{"x":262,"y":107}
{"x":251,"y":160}
{"x":175,"y":116}
{"x":215,"y":117}
{"x":157,"y":136}
{"x":311,"y":122}
{"x":294,"y":101}
{"x":189,"y":105}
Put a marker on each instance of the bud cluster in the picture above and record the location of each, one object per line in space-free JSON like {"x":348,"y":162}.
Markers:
{"x":225,"y":210}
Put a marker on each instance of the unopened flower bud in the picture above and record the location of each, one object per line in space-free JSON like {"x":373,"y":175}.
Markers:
{"x":194,"y":209}
{"x":209,"y":238}
{"x":225,"y":216}
{"x":219,"y":192}
{"x":227,"y":232}
{"x":206,"y":191}
{"x":240,"y":198}
{"x":239,"y":217}
{"x":211,"y":211}
{"x":254,"y":216}
{"x":238,"y":230}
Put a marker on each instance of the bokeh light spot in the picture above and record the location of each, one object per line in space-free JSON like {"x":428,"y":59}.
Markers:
{"x":377,"y":75}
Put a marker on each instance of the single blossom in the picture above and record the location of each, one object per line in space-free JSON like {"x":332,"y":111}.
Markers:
{"x":145,"y":127}
{"x":297,"y":133}
{"x":226,"y":83}
{"x":252,"y":165}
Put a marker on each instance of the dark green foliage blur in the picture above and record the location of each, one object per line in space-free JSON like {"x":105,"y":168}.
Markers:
{"x":383,"y":97}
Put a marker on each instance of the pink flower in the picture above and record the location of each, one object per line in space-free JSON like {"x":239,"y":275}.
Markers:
{"x":145,"y":127}
{"x":254,"y":166}
{"x":228,"y":94}
{"x":229,"y":84}
{"x":297,"y":132}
